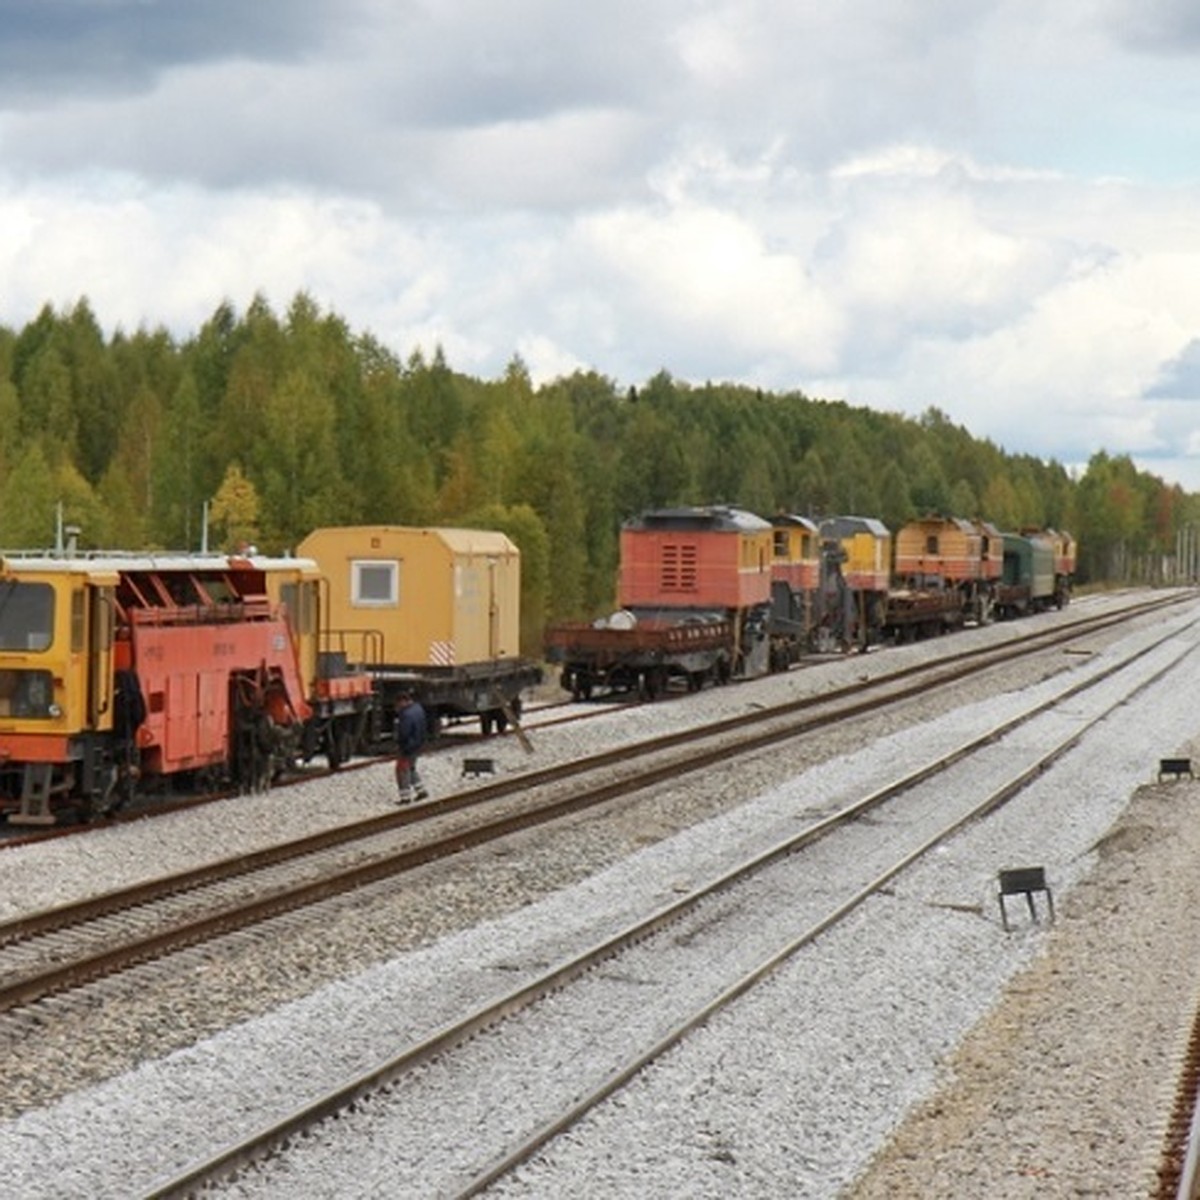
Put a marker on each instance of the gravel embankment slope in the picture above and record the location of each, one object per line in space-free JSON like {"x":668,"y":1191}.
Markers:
{"x":1061,"y":1089}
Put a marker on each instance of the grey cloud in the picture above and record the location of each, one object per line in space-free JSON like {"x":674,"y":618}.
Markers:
{"x":1178,"y":379}
{"x":49,"y":48}
{"x":468,"y":65}
{"x":1166,"y":27}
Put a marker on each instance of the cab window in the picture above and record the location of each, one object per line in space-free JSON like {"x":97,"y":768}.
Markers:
{"x":26,"y":615}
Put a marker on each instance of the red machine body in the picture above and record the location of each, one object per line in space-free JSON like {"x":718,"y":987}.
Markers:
{"x":194,"y":676}
{"x":120,"y":674}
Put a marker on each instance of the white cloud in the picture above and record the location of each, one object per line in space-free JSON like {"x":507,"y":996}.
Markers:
{"x":704,"y":282}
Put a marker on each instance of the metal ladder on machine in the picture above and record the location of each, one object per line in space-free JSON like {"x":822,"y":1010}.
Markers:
{"x":35,"y":796}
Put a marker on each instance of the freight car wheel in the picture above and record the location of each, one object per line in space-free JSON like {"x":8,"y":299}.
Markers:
{"x":652,"y":684}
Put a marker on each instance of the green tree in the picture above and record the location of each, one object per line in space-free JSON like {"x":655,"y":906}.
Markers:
{"x":180,"y":475}
{"x":525,"y":528}
{"x":999,"y":504}
{"x":895,"y":506}
{"x":234,"y":512}
{"x":82,"y":507}
{"x":962,"y":500}
{"x":1110,"y":517}
{"x":300,"y":475}
{"x":28,"y":501}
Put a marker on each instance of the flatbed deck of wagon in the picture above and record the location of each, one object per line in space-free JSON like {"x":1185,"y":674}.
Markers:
{"x":644,"y":656}
{"x":452,"y":693}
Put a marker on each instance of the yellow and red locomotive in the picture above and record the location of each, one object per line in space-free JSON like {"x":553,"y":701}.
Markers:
{"x":714,"y":593}
{"x":695,"y":597}
{"x":122,"y":673}
{"x":944,"y":575}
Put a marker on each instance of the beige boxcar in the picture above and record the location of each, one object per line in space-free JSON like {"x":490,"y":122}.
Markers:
{"x":434,"y":611}
{"x":431,"y":597}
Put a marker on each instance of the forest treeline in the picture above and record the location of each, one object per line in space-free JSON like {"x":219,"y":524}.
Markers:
{"x":280,"y":423}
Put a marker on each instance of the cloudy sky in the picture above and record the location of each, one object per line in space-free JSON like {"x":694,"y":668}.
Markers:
{"x":991,"y":206}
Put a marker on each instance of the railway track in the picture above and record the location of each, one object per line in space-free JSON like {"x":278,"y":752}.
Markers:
{"x":538,"y":717}
{"x":770,"y":907}
{"x":1179,"y":1171}
{"x":56,"y":950}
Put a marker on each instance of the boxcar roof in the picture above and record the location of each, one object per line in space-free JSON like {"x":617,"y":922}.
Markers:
{"x":108,"y":562}
{"x":959,"y":523}
{"x":460,"y":541}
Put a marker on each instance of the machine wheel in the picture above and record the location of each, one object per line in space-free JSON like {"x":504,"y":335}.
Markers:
{"x":341,"y":746}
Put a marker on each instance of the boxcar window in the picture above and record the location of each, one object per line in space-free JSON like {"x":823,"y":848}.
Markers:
{"x":375,"y":584}
{"x":781,"y":543}
{"x":931,"y":544}
{"x":26,"y":615}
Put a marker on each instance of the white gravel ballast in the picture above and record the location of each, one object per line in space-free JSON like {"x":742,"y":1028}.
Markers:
{"x":792,"y":1091}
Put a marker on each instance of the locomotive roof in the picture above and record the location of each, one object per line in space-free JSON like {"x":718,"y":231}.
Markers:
{"x":108,"y":562}
{"x":959,"y":523}
{"x":840,"y":527}
{"x":709,"y":517}
{"x":794,"y":519}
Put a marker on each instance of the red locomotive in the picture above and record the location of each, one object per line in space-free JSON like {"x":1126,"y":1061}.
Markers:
{"x":695,"y":597}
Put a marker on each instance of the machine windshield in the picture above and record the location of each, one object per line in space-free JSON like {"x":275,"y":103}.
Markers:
{"x":26,"y":615}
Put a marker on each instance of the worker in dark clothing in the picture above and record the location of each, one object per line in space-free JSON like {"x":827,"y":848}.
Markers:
{"x":410,"y":740}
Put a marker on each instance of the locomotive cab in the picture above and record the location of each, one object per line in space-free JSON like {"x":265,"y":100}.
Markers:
{"x":57,"y":684}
